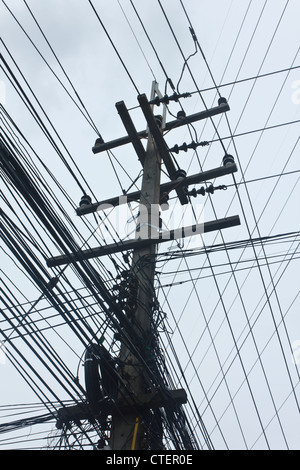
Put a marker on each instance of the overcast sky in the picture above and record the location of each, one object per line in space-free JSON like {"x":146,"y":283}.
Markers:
{"x":254,"y":397}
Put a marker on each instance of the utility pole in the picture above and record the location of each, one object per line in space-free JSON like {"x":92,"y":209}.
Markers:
{"x":127,"y":429}
{"x":137,"y":394}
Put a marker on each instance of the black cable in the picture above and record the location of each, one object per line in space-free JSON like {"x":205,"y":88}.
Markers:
{"x":137,"y":40}
{"x":187,"y":65}
{"x":87,"y":117}
{"x":243,"y":80}
{"x":113,"y":45}
{"x":152,"y":45}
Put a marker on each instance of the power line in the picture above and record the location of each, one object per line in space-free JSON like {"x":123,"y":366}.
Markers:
{"x":86,"y":116}
{"x":113,"y":45}
{"x":227,"y":118}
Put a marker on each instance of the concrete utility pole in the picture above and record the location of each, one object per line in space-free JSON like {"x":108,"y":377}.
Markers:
{"x":127,"y":427}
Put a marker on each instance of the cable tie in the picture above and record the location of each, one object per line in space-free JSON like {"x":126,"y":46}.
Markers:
{"x":171,"y":84}
{"x":193,"y":34}
{"x":52,"y":282}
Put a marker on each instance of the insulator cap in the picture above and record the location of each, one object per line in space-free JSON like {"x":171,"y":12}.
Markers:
{"x":179,"y":174}
{"x":85,"y":200}
{"x":222,"y":100}
{"x":181,"y":114}
{"x":99,"y":141}
{"x":228,"y":160}
{"x":159,"y":120}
